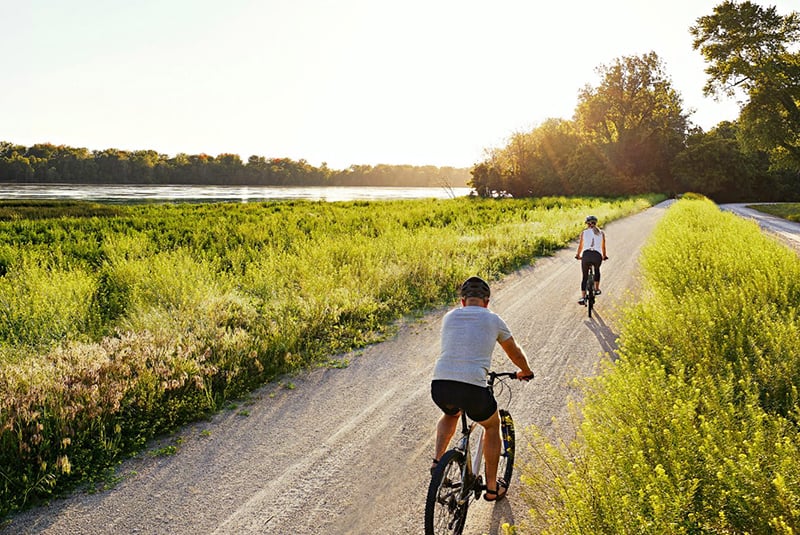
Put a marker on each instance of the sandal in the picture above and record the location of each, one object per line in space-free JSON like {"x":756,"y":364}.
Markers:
{"x":597,"y":292}
{"x":498,"y":494}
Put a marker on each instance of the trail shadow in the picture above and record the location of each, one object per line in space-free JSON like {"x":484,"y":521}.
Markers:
{"x":501,"y":514}
{"x":604,"y":334}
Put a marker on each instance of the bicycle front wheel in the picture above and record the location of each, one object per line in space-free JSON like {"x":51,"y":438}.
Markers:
{"x":505,"y":470}
{"x":447,"y":502}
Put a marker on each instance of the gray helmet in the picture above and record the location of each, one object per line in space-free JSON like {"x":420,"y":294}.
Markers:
{"x":591,"y":218}
{"x":475,"y":287}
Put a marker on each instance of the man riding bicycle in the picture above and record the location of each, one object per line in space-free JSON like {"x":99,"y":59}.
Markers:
{"x":459,"y":377}
{"x":591,"y":250}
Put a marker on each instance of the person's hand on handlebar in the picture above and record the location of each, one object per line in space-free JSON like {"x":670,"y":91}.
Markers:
{"x":524,"y":377}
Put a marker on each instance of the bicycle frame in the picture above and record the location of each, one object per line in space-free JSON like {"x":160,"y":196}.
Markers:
{"x":473,"y":457}
{"x":472,"y":433}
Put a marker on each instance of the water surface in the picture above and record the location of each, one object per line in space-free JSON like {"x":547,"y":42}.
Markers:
{"x":180,"y":193}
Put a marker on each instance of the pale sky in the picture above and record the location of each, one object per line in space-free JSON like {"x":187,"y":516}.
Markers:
{"x":419,"y":82}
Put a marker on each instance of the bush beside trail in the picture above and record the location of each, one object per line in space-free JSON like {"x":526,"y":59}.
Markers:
{"x":695,"y":428}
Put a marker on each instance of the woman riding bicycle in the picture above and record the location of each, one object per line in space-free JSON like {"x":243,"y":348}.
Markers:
{"x":459,"y":377}
{"x":591,"y":250}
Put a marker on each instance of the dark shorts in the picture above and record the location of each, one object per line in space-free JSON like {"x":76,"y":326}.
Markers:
{"x":452,"y":396}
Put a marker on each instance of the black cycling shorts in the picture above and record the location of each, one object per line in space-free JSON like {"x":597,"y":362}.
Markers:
{"x":452,"y":396}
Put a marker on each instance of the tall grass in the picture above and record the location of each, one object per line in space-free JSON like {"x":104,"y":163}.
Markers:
{"x":118,"y":325}
{"x":695,"y":428}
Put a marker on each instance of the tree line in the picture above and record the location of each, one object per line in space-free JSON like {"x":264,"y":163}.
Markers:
{"x":631,"y":134}
{"x":48,"y":163}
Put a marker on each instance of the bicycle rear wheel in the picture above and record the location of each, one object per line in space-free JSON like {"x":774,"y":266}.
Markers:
{"x":590,"y":290}
{"x":505,"y":469}
{"x":447,"y":503}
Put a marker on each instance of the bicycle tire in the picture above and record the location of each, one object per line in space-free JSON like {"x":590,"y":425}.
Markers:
{"x":446,"y":504}
{"x":590,"y":290}
{"x":505,"y":470}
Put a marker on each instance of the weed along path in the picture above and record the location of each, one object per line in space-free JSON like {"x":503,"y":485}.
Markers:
{"x":788,"y":232}
{"x":346,"y":450}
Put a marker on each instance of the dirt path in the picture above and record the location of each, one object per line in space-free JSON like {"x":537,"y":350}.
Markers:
{"x":347,"y":451}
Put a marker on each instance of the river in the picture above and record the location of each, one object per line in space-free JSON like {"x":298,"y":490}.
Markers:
{"x":192,"y":193}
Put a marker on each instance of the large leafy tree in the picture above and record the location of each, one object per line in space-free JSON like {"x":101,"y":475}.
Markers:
{"x":622,"y":140}
{"x":635,"y":119}
{"x":750,"y":53}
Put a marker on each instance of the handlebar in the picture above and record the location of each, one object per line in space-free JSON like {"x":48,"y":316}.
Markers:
{"x":512,"y":375}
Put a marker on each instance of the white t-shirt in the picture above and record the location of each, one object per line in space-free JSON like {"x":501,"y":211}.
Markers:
{"x":468,"y":338}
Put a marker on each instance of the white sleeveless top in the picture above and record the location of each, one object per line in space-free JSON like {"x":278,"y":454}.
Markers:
{"x":592,"y":241}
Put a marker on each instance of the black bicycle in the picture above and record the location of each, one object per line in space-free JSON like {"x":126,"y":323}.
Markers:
{"x":457,"y":479}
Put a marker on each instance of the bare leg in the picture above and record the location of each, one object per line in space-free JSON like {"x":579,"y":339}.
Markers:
{"x":491,"y":451}
{"x":445,"y":430}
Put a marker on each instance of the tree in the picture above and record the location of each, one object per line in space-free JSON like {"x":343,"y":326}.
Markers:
{"x":487,"y":177}
{"x":143,"y":165}
{"x":624,"y":136}
{"x":537,"y":162}
{"x":748,"y":50}
{"x":113,"y":166}
{"x":635,"y":119}
{"x":16,"y":168}
{"x":714,"y":165}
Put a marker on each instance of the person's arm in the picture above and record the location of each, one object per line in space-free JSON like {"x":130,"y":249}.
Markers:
{"x":580,"y":247}
{"x":603,"y":242}
{"x":518,"y":357}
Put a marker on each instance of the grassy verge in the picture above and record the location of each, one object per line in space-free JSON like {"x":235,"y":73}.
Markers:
{"x":790,"y":211}
{"x":695,"y":428}
{"x":117,"y":325}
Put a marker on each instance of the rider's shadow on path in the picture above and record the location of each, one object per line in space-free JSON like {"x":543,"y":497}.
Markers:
{"x":501,"y":514}
{"x":604,"y":335}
